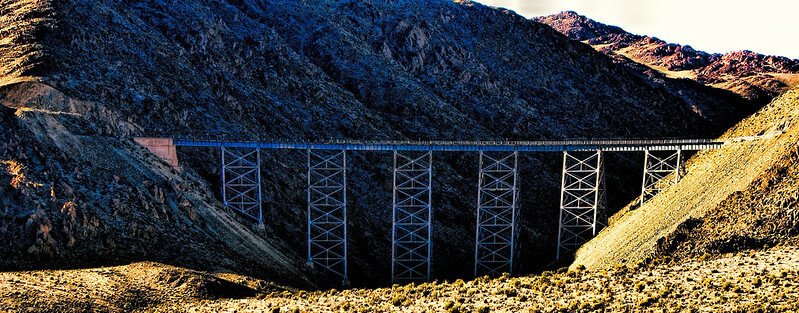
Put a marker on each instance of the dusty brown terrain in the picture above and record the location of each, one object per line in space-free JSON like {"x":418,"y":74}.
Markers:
{"x":764,"y":280}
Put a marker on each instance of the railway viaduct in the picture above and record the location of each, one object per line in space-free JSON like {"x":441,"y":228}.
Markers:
{"x":411,"y":233}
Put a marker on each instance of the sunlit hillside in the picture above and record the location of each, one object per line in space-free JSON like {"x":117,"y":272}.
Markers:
{"x":725,"y":182}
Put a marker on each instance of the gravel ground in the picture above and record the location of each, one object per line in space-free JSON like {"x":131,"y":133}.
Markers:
{"x":766,"y":280}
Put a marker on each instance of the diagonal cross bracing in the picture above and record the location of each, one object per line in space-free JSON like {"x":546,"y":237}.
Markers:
{"x":241,"y":181}
{"x":327,"y":210}
{"x":412,"y":216}
{"x":580,"y":199}
{"x":657,"y":166}
{"x":497,"y":207}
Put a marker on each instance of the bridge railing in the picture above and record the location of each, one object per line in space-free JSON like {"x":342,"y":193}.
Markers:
{"x":583,"y":142}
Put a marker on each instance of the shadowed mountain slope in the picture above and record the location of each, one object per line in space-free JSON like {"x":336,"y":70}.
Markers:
{"x":94,"y":72}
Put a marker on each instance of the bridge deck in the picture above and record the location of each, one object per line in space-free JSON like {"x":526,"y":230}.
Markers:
{"x":466,"y":146}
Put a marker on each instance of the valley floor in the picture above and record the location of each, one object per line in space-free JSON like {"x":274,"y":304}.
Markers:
{"x":766,"y":280}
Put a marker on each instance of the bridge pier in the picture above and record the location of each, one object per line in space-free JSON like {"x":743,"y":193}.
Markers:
{"x":581,"y":193}
{"x":656,"y":167}
{"x":497,"y":208}
{"x":163,"y":148}
{"x":241,"y":181}
{"x":327,"y":211}
{"x":412,"y":213}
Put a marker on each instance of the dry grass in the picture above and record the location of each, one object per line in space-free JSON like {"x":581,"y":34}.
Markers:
{"x":17,"y":173}
{"x":758,"y":280}
{"x":630,"y":53}
{"x":792,"y":80}
{"x":712,"y":177}
{"x":20,"y":51}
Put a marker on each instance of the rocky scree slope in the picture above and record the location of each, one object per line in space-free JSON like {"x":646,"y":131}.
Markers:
{"x":756,"y":77}
{"x":73,"y":198}
{"x":434,"y":70}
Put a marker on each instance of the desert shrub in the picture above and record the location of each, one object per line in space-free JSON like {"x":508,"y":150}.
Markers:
{"x":571,"y":274}
{"x":510,"y":292}
{"x":398,"y":299}
{"x":648,"y":301}
{"x":664,"y":291}
{"x":640,"y":286}
{"x":455,"y":308}
{"x":726,"y":285}
{"x":573,"y":305}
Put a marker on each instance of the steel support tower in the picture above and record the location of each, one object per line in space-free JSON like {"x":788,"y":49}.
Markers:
{"x":412,"y":212}
{"x":658,"y":165}
{"x":497,"y":207}
{"x":241,"y":181}
{"x":327,"y":211}
{"x":580,"y":199}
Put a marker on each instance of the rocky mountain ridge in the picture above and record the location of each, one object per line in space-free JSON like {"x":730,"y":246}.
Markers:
{"x":752,"y":75}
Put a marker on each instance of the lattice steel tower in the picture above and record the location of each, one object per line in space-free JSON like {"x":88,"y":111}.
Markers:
{"x":658,"y":165}
{"x":580,"y":200}
{"x":327,"y":211}
{"x":412,"y":212}
{"x":497,"y":208}
{"x":241,"y":181}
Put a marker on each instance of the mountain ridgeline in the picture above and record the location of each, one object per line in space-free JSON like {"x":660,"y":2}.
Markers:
{"x":81,"y":76}
{"x":756,"y":77}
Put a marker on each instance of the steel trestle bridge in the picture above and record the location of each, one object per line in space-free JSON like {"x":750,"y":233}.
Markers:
{"x":412,"y":208}
{"x":464,"y":146}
